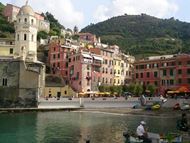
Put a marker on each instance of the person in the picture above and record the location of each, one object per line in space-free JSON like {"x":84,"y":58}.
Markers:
{"x":142,"y":132}
{"x":183,"y":124}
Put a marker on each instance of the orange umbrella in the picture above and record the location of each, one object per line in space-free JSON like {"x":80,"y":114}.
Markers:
{"x":183,"y":89}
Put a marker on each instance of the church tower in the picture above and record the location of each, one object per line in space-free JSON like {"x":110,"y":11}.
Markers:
{"x":26,"y":34}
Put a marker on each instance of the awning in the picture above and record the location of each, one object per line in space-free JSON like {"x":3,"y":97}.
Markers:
{"x":98,"y":58}
{"x":86,"y":56}
{"x":183,"y":89}
{"x":172,"y":92}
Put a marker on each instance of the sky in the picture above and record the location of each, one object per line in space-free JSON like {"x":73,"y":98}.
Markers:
{"x":84,"y":12}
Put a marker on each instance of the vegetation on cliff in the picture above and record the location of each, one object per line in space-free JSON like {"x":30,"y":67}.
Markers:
{"x":144,"y":35}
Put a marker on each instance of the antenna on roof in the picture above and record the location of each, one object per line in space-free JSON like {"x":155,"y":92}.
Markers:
{"x":26,"y":2}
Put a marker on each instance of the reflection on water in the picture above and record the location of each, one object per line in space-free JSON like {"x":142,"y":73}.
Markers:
{"x":73,"y":127}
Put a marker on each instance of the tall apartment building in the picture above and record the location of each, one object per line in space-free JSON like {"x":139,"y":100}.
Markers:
{"x":167,"y":72}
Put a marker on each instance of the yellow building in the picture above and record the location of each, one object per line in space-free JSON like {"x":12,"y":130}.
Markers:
{"x":6,"y":47}
{"x":59,"y":91}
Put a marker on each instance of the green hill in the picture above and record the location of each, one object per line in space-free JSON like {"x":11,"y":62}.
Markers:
{"x":143,"y":35}
{"x":6,"y":29}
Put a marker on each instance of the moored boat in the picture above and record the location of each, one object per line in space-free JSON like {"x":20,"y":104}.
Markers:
{"x":155,"y":138}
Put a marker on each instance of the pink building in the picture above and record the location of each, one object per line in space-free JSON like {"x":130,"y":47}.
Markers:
{"x":87,"y":37}
{"x":11,"y":11}
{"x":107,"y":67}
{"x":58,"y":58}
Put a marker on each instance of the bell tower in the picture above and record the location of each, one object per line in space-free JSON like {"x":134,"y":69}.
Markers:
{"x":26,"y":34}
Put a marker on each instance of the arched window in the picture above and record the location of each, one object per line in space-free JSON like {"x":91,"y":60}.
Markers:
{"x":32,"y":21}
{"x":25,"y":37}
{"x":18,"y":37}
{"x":25,"y":20}
{"x":32,"y":38}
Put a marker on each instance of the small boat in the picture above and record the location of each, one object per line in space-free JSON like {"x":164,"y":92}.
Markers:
{"x":176,"y":106}
{"x":185,"y":106}
{"x":155,"y":107}
{"x":155,"y":138}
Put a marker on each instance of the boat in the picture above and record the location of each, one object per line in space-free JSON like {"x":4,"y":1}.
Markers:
{"x":185,"y":106}
{"x":176,"y":106}
{"x":155,"y":138}
{"x":155,"y":107}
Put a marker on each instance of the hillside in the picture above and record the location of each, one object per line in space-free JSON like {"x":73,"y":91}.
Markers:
{"x":143,"y":35}
{"x":6,"y":29}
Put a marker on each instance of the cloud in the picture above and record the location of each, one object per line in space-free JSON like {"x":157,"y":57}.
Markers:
{"x":158,"y":8}
{"x":63,"y":10}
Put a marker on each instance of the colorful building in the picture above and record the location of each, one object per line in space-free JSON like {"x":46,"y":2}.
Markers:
{"x":167,"y":72}
{"x":7,"y":47}
{"x":59,"y":91}
{"x":10,"y":12}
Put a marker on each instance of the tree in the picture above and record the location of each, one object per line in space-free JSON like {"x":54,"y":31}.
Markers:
{"x":42,"y":34}
{"x":151,"y":88}
{"x":131,"y":87}
{"x":138,"y":89}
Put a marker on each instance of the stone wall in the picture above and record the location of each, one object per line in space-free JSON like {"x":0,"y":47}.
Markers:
{"x":24,"y":84}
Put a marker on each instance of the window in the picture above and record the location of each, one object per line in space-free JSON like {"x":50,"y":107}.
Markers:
{"x":179,"y":63}
{"x":110,"y":71}
{"x":58,"y":56}
{"x":106,"y":80}
{"x":54,"y":56}
{"x":155,"y":83}
{"x":118,"y":81}
{"x":188,"y":71}
{"x":141,"y":75}
{"x":171,"y":82}
{"x":77,"y":77}
{"x":106,"y":62}
{"x":88,"y":74}
{"x":137,"y":75}
{"x":4,"y":82}
{"x":110,"y":81}
{"x":25,"y":37}
{"x":164,"y":72}
{"x":32,"y":38}
{"x":118,"y":71}
{"x":102,"y":80}
{"x":58,"y":65}
{"x":171,"y":72}
{"x":88,"y":67}
{"x":65,"y":92}
{"x":11,"y":51}
{"x":106,"y":70}
{"x":103,"y":70}
{"x":19,"y":20}
{"x":188,"y":62}
{"x":25,"y":20}
{"x":147,"y":74}
{"x":188,"y":80}
{"x":179,"y":71}
{"x":155,"y":74}
{"x":18,"y":37}
{"x":179,"y":81}
{"x":32,"y":21}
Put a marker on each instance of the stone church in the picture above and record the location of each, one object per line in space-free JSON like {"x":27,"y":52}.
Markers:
{"x":22,"y":76}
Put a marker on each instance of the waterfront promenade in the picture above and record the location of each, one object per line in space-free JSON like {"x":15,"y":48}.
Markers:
{"x":103,"y":102}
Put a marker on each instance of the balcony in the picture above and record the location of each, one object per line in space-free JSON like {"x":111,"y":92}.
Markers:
{"x":97,"y":63}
